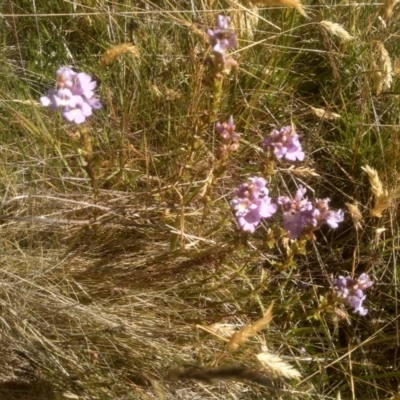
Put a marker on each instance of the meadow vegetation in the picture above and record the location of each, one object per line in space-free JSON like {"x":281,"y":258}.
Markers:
{"x":124,"y":273}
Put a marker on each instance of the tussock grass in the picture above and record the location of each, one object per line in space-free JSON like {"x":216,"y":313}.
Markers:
{"x":127,"y":280}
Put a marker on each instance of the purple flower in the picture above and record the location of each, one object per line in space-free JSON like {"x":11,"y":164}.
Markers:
{"x":222,"y":38}
{"x":63,"y":97}
{"x":66,"y":77}
{"x":228,"y":135}
{"x":74,"y":94}
{"x":351,"y":291}
{"x":251,"y":203}
{"x":324,"y":215}
{"x":297,"y":213}
{"x":284,"y":143}
{"x":94,"y":102}
{"x":50,"y":100}
{"x":363,"y":282}
{"x":84,"y":86}
{"x":77,"y":110}
{"x":222,"y":22}
{"x":300,"y":213}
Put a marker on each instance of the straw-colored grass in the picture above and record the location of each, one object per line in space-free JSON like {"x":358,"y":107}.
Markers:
{"x":123,"y":272}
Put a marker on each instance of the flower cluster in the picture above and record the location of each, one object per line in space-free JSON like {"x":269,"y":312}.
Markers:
{"x":251,"y":203}
{"x":284,"y":143}
{"x":222,"y":38}
{"x":229,"y":137}
{"x":300,"y":213}
{"x":352,"y":291}
{"x":74,"y":94}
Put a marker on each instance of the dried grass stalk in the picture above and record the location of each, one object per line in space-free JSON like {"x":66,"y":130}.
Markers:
{"x":248,"y":331}
{"x":337,"y":30}
{"x":385,"y":65}
{"x":244,"y":18}
{"x":201,"y":33}
{"x":388,"y":6}
{"x":356,"y":215}
{"x":324,"y":114}
{"x":224,"y":330}
{"x":111,"y":54}
{"x":273,"y":364}
{"x":297,"y":4}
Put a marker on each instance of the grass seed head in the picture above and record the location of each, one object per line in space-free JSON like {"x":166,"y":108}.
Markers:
{"x":385,"y":65}
{"x":377,"y":81}
{"x":113,"y":53}
{"x":274,"y":365}
{"x":382,"y":197}
{"x":388,"y":6}
{"x":248,"y":331}
{"x":337,"y":30}
{"x":356,"y":215}
{"x":374,"y":181}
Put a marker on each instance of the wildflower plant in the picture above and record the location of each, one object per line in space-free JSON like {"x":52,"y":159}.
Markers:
{"x":284,"y":143}
{"x":220,"y":62}
{"x":351,"y":291}
{"x":222,"y":40}
{"x":251,"y":203}
{"x":154,"y":165}
{"x":229,"y":138}
{"x":74,"y":95}
{"x":300,"y":214}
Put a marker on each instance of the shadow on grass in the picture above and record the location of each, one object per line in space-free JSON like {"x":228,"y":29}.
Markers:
{"x":36,"y":390}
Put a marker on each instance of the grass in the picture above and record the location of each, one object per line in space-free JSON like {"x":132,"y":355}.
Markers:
{"x":123,"y":272}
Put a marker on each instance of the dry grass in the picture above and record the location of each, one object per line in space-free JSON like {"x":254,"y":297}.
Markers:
{"x":123,"y":273}
{"x":296,"y":4}
{"x":245,"y":18}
